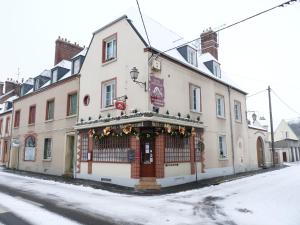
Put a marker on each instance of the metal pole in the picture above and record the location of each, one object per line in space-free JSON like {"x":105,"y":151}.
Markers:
{"x":271,"y":125}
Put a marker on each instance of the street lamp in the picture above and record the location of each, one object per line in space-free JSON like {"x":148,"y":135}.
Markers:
{"x":134,"y":73}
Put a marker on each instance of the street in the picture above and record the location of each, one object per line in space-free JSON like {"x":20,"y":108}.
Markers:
{"x":266,"y":198}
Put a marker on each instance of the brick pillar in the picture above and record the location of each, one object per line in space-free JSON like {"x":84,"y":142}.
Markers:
{"x":160,"y":156}
{"x":136,"y":164}
{"x":192,"y":152}
{"x":90,"y":152}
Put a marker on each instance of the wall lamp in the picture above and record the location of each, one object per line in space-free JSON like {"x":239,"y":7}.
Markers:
{"x":134,"y":73}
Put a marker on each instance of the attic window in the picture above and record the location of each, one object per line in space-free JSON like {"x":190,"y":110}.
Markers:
{"x":76,"y":66}
{"x":216,"y":69}
{"x":36,"y":84}
{"x":109,"y":48}
{"x":192,"y":56}
{"x":54,"y":76}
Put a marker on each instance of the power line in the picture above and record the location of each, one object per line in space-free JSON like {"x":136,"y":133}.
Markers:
{"x":283,"y":102}
{"x":137,"y":2}
{"x":259,"y":92}
{"x":233,"y":24}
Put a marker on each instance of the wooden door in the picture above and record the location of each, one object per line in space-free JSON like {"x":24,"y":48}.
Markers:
{"x":259,"y":149}
{"x":147,"y":158}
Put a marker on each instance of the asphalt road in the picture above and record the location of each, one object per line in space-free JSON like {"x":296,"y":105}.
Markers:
{"x":60,"y":208}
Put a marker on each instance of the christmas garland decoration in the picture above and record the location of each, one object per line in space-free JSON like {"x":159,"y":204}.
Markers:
{"x":178,"y":131}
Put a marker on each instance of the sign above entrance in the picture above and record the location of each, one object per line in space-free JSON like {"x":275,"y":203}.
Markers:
{"x":157,"y":91}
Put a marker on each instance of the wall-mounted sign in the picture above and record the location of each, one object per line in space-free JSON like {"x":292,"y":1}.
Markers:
{"x":120,"y":105}
{"x":157,"y":91}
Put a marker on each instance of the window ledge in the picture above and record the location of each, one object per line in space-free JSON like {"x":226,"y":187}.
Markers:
{"x":223,"y":159}
{"x":47,"y":160}
{"x":48,"y":121}
{"x":31,"y":124}
{"x":107,"y":108}
{"x":193,"y":111}
{"x":221,"y":117}
{"x":238,"y":121}
{"x":109,"y":61}
{"x":71,"y":116}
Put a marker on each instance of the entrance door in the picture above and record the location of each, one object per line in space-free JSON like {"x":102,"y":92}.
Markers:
{"x":284,"y":157}
{"x":69,"y":161}
{"x":147,"y":158}
{"x":259,"y":149}
{"x":5,"y":152}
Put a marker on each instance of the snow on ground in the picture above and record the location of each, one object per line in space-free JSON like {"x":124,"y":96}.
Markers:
{"x":267,"y":198}
{"x":32,"y":212}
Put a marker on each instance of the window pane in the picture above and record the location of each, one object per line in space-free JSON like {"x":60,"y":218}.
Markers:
{"x":72,"y":104}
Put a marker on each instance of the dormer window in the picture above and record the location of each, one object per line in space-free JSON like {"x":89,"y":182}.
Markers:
{"x":36,"y":84}
{"x":192,"y":56}
{"x":216,"y":69}
{"x":109,"y":48}
{"x":54,"y":76}
{"x":76,"y":66}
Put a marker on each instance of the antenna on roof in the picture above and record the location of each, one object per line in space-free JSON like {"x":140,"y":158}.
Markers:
{"x":18,"y":73}
{"x":137,"y":2}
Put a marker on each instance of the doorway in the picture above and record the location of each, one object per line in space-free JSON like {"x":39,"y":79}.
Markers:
{"x":147,"y":157}
{"x":69,"y":160}
{"x":284,"y":158}
{"x":260,"y":152}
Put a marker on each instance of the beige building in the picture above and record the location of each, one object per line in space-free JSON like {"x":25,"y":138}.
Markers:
{"x":43,"y":138}
{"x":150,"y":118}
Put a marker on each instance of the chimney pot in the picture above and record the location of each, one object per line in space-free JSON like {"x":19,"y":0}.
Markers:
{"x":209,"y":42}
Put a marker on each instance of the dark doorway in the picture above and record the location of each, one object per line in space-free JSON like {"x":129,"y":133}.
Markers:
{"x":284,"y":157}
{"x":147,"y":157}
{"x":260,"y":152}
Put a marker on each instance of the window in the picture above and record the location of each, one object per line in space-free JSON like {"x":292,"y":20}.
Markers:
{"x":109,"y":48}
{"x":222,"y":146}
{"x":177,"y":149}
{"x":76,"y":66}
{"x":1,"y":124}
{"x":195,"y":98}
{"x":32,"y":114}
{"x":29,"y":153}
{"x":17,"y":118}
{"x":192,"y":56}
{"x":237,"y":111}
{"x":111,"y":149}
{"x":50,"y":110}
{"x":7,"y":125}
{"x":54,"y":76}
{"x":36,"y":84}
{"x":84,"y":147}
{"x":86,"y":100}
{"x":47,"y":148}
{"x":108,"y":93}
{"x":216,"y":69}
{"x":72,"y":104}
{"x":220,"y":105}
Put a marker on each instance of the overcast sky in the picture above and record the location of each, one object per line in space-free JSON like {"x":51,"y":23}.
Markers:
{"x":257,"y":53}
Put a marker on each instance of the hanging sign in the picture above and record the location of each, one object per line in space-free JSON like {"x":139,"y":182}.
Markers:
{"x":120,"y":105}
{"x":157,"y":91}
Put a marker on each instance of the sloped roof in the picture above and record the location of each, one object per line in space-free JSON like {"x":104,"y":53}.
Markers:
{"x":162,"y":38}
{"x":83,"y":53}
{"x":295,"y":126}
{"x":65,"y":64}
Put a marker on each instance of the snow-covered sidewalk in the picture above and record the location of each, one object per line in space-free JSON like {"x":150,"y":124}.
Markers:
{"x":267,"y":198}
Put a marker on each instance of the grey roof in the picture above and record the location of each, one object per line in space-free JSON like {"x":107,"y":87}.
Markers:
{"x":295,"y":126}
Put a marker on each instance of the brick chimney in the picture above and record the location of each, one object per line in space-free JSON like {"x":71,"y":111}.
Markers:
{"x":209,"y":42}
{"x":65,"y":50}
{"x":10,"y":85}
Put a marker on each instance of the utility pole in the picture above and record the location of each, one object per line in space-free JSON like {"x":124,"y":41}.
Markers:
{"x":271,"y":125}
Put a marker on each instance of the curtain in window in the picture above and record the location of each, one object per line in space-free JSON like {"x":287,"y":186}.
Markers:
{"x":29,"y":153}
{"x":73,"y":104}
{"x":47,"y":148}
{"x":50,"y":114}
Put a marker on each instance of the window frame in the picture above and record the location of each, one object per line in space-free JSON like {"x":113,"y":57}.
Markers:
{"x":191,"y":94}
{"x":17,"y":118}
{"x":104,"y":84}
{"x":7,"y":125}
{"x":56,"y":75}
{"x":238,"y":112}
{"x":47,"y":109}
{"x":224,"y":144}
{"x":29,"y":117}
{"x":221,"y":97}
{"x":1,"y":125}
{"x":25,"y":142}
{"x":47,"y":158}
{"x":78,"y":60}
{"x":105,"y":41}
{"x":192,"y":56}
{"x":69,"y":102}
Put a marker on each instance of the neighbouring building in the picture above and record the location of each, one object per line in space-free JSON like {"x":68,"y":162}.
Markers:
{"x":43,"y":137}
{"x":153,"y":115}
{"x":286,"y":141}
{"x":11,"y":92}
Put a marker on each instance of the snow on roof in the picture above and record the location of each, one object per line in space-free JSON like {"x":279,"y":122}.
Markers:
{"x":12,"y":98}
{"x":68,"y":74}
{"x":65,"y":64}
{"x":29,"y":81}
{"x":46,"y":73}
{"x":46,"y":84}
{"x":162,"y":38}
{"x":83,"y":53}
{"x":2,"y":108}
{"x":8,"y":93}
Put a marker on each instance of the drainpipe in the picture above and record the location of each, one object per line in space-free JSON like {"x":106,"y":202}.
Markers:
{"x":231,"y":128}
{"x":76,"y":132}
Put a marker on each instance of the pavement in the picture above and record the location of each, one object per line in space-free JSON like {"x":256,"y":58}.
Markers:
{"x":131,"y":191}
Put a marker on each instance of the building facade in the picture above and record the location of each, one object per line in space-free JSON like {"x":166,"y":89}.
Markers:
{"x":151,"y":119}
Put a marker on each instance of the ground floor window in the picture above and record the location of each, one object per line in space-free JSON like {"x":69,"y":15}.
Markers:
{"x":222,"y":146}
{"x":111,"y":149}
{"x":29,"y":152}
{"x":84,"y":147}
{"x":177,"y":149}
{"x":47,"y":148}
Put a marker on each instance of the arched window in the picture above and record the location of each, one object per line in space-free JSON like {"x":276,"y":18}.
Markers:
{"x":29,"y":153}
